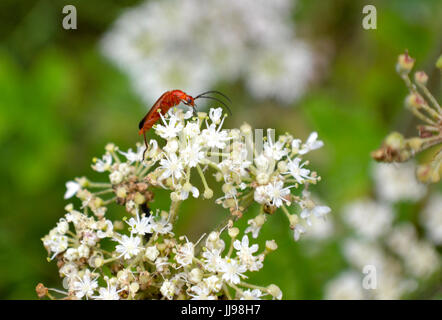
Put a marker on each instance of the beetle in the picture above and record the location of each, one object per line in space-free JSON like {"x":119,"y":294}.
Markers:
{"x":168,"y":100}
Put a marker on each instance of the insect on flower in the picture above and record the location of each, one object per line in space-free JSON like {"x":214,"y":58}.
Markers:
{"x":168,"y":100}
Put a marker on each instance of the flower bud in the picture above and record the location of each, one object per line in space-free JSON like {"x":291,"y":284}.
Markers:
{"x":134,"y":287}
{"x":218,"y":176}
{"x":230,"y":203}
{"x":421,"y":77}
{"x":271,"y":245}
{"x":139,"y":198}
{"x":41,"y":290}
{"x":96,"y":261}
{"x":98,"y":202}
{"x":260,"y":220}
{"x":405,"y":63}
{"x":282,"y":166}
{"x":246,"y":128}
{"x":121,"y":192}
{"x":151,"y":253}
{"x":83,"y":182}
{"x":174,"y":197}
{"x":395,"y":140}
{"x":62,"y":226}
{"x":213,"y":236}
{"x":118,"y":225}
{"x":83,"y":251}
{"x":195,"y":275}
{"x":208,"y":193}
{"x":187,"y":187}
{"x":274,"y":291}
{"x":110,"y":147}
{"x":415,"y":143}
{"x":413,"y":101}
{"x":293,"y":219}
{"x":116,"y":177}
{"x":262,"y":178}
{"x":233,"y":232}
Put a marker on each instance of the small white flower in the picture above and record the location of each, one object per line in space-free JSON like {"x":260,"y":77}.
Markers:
{"x":192,"y":155}
{"x":185,"y":253}
{"x":274,"y":150}
{"x":171,"y":129}
{"x":162,"y":226}
{"x":245,"y":253}
{"x":277,"y":193}
{"x":214,"y":283}
{"x":215,"y":138}
{"x":195,"y":275}
{"x":172,"y":146}
{"x":172,"y":167}
{"x":108,"y":293}
{"x":317,"y":211}
{"x":56,"y":243}
{"x":141,"y":225}
{"x":184,"y":192}
{"x":202,"y":292}
{"x":255,"y":225}
{"x":212,"y":260}
{"x":107,"y":231}
{"x":192,"y":129}
{"x":72,"y":189}
{"x":83,"y":251}
{"x":168,"y":289}
{"x":124,"y":169}
{"x":215,"y":114}
{"x":134,"y":156}
{"x":128,"y":246}
{"x":296,"y":143}
{"x":116,"y":177}
{"x":311,"y":144}
{"x":232,"y":270}
{"x":85,"y":286}
{"x":104,"y":164}
{"x":297,"y":171}
{"x":71,"y":254}
{"x":62,"y":226}
{"x":297,"y":231}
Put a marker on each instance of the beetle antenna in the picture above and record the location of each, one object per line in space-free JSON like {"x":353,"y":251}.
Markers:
{"x":216,"y":99}
{"x":214,"y":91}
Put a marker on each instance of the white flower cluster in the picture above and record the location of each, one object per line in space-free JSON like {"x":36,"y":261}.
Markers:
{"x":401,"y":259}
{"x":190,"y":44}
{"x":139,"y":257}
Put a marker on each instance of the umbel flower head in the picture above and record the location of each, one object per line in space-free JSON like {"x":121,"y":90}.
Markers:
{"x":139,"y":256}
{"x":427,"y":109}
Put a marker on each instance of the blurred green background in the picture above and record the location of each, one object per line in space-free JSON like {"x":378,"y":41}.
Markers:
{"x":61,"y":101}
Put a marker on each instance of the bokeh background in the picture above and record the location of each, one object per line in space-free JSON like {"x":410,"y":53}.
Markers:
{"x":62,"y":99}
